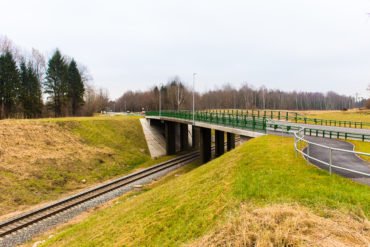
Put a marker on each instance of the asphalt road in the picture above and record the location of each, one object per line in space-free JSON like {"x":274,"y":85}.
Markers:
{"x":341,"y":159}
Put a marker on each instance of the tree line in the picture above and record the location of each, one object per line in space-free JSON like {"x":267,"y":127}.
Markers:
{"x":176,"y":95}
{"x":30,"y":87}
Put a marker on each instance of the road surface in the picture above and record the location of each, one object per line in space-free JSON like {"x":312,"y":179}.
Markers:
{"x":341,"y":159}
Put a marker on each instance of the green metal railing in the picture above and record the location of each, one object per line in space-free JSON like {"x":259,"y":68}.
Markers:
{"x":320,"y":132}
{"x":246,"y":120}
{"x":220,"y":118}
{"x":296,"y":118}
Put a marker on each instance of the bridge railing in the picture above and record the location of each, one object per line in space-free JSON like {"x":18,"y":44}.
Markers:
{"x":302,"y":146}
{"x":331,"y":134}
{"x":296,"y":118}
{"x":219,"y":118}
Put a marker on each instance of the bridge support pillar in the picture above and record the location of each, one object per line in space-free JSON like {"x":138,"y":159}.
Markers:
{"x":195,"y":134}
{"x":219,"y":142}
{"x":170,"y":134}
{"x":205,"y":145}
{"x":184,"y":137}
{"x":230,"y":141}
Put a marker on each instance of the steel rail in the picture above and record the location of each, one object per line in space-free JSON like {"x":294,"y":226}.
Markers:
{"x":21,"y":221}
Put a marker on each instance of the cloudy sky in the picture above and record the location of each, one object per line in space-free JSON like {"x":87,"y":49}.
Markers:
{"x":313,"y":45}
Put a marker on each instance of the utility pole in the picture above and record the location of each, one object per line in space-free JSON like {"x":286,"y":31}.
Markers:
{"x":194,"y":98}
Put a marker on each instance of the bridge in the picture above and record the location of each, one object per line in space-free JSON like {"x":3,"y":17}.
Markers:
{"x":178,"y":125}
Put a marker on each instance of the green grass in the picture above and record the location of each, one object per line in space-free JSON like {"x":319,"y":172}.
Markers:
{"x":350,"y":115}
{"x":362,"y":147}
{"x":261,"y":172}
{"x":116,"y":146}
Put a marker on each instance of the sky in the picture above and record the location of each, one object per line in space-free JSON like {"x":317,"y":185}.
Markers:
{"x":303,"y":45}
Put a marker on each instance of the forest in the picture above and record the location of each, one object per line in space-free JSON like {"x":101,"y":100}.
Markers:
{"x":176,"y":95}
{"x":31,"y":87}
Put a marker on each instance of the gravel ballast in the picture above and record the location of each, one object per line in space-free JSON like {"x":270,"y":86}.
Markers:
{"x":29,"y":232}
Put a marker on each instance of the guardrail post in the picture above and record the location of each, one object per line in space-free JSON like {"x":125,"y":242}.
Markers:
{"x":330,"y":159}
{"x":308,"y":153}
{"x":295,"y":146}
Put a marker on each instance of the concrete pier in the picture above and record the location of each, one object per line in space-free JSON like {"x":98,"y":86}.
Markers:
{"x":230,"y":141}
{"x":219,"y":142}
{"x":195,"y":136}
{"x":205,"y":145}
{"x":184,"y":137}
{"x":170,"y":134}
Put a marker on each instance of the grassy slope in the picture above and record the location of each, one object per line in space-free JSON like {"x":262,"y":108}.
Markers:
{"x":114,"y":146}
{"x":362,"y":147}
{"x":263,"y":171}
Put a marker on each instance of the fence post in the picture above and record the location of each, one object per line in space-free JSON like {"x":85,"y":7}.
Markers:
{"x":295,"y":146}
{"x":330,"y":159}
{"x":308,"y":153}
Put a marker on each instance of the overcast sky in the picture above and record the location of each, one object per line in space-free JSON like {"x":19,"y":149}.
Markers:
{"x":311,"y":45}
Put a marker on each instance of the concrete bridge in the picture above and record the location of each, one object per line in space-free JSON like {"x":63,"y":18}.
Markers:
{"x":178,"y":130}
{"x":178,"y":126}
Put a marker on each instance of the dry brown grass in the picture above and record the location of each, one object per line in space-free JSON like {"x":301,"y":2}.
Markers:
{"x":26,"y":146}
{"x":288,"y":225}
{"x":42,"y":160}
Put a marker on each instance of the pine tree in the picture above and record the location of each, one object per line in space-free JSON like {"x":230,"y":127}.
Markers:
{"x":9,"y":85}
{"x":30,"y":91}
{"x":56,"y":83}
{"x":76,"y":88}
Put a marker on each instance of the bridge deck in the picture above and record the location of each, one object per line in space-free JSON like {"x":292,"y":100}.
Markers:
{"x":234,"y":130}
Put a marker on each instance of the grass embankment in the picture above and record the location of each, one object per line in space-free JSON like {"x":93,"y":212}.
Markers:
{"x":41,"y":159}
{"x":362,"y":147}
{"x":259,"y":194}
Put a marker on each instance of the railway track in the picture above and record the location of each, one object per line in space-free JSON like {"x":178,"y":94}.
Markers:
{"x":15,"y":224}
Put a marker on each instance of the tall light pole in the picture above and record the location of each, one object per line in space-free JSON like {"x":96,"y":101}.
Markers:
{"x":160,"y":101}
{"x":194,"y":98}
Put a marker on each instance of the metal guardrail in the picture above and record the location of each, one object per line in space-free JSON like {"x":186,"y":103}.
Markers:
{"x":331,"y":134}
{"x":240,"y":119}
{"x":225,"y":119}
{"x":296,"y":118}
{"x":299,"y":139}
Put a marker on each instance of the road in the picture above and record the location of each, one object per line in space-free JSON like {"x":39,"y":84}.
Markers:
{"x":341,"y":159}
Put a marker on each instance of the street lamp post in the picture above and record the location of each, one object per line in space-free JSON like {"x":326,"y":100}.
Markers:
{"x":160,"y":101}
{"x":194,"y":98}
